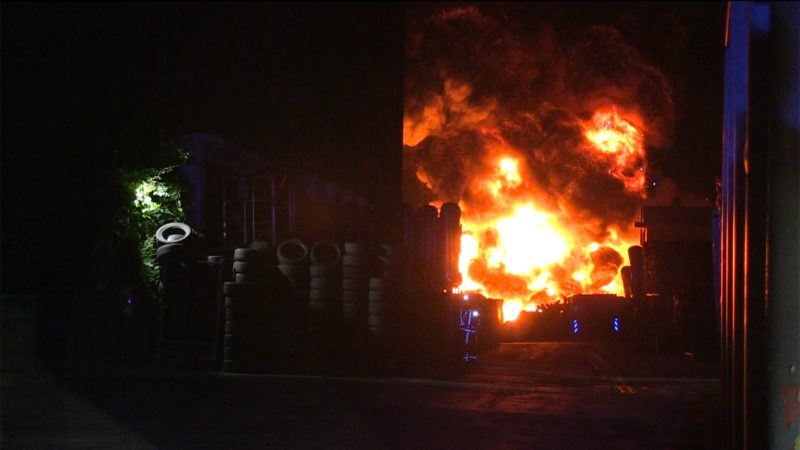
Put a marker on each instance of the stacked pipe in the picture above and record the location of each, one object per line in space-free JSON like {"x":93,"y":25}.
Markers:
{"x":353,"y":292}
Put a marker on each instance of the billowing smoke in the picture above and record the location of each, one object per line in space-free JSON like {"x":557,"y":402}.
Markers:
{"x":479,"y":85}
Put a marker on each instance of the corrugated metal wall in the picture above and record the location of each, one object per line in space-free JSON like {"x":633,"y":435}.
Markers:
{"x":760,"y":255}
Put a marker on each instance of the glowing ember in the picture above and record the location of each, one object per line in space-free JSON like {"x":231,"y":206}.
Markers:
{"x":621,"y":145}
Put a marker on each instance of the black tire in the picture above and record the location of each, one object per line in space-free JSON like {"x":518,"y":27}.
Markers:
{"x":241,"y":267}
{"x":292,"y":270}
{"x":322,"y":283}
{"x":377,"y":284}
{"x":244,"y":302}
{"x":352,"y":260}
{"x":321,"y":307}
{"x":261,"y":246}
{"x":245,"y":328}
{"x":168,"y":249}
{"x":376,"y":320}
{"x":241,"y":254}
{"x":353,"y":248}
{"x":351,"y":297}
{"x":232,"y":289}
{"x":244,"y":278}
{"x":292,"y":251}
{"x":386,"y":250}
{"x":381,"y":267}
{"x":323,"y":295}
{"x":164,"y":233}
{"x":352,"y":272}
{"x":351,"y":285}
{"x":377,"y":295}
{"x":351,"y":310}
{"x":239,"y":290}
{"x":321,"y":270}
{"x":251,"y":256}
{"x":377,"y":308}
{"x":298,"y":282}
{"x":325,"y":253}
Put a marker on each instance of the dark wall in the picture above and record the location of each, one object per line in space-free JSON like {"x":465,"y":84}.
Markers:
{"x":760,"y":252}
{"x":91,"y":88}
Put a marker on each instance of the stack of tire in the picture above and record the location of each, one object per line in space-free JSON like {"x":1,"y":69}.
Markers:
{"x":172,"y":252}
{"x":245,"y":338}
{"x":379,"y":293}
{"x":325,"y":286}
{"x":250,"y":264}
{"x":354,"y":275}
{"x":292,"y":263}
{"x":243,"y":345}
{"x":173,"y":256}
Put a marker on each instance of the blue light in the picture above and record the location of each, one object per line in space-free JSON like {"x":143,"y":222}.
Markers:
{"x":130,"y":301}
{"x":616,"y":324}
{"x":575,"y":326}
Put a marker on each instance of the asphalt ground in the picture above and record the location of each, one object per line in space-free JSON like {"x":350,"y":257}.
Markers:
{"x":529,"y":395}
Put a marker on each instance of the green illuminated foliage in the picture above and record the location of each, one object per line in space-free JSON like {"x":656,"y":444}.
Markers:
{"x":155,"y":199}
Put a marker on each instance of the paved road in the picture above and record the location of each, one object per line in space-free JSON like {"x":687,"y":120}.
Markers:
{"x":543,"y":395}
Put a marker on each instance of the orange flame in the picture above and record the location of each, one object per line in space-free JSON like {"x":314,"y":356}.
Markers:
{"x":621,"y":145}
{"x":520,"y":248}
{"x":527,"y":255}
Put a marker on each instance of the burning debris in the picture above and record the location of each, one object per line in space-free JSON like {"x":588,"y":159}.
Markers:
{"x":541,"y":143}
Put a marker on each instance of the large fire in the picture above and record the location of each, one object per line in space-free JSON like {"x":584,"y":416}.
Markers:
{"x":519,"y":251}
{"x":527,"y":255}
{"x":541,"y":144}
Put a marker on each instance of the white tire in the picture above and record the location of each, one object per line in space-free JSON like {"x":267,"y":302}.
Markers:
{"x":377,"y":284}
{"x":180,"y":230}
{"x":292,"y":251}
{"x":326,"y":253}
{"x":321,"y":283}
{"x":321,"y":271}
{"x":353,"y":248}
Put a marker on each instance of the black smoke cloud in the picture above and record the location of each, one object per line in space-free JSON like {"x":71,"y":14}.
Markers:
{"x":537,"y":91}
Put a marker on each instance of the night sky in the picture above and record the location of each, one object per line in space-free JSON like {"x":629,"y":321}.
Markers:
{"x":89,"y":88}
